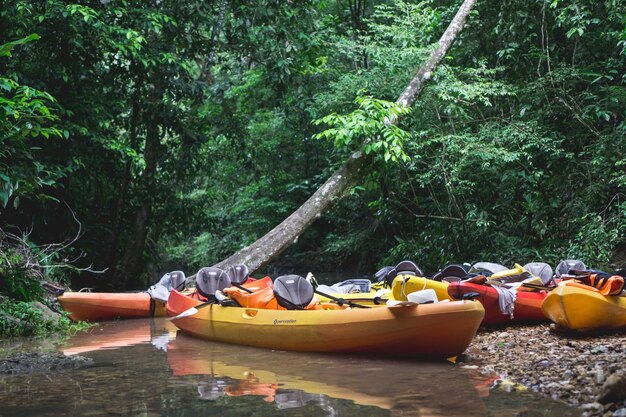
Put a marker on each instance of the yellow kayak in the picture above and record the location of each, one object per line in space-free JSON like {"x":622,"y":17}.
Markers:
{"x":584,"y":310}
{"x":406,"y":284}
{"x":437,"y":330}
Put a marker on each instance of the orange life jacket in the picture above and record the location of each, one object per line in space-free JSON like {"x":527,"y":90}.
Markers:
{"x":605,"y":284}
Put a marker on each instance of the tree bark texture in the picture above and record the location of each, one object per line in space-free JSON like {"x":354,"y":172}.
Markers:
{"x":123,"y":194}
{"x":130,"y":265}
{"x":268,"y":247}
{"x":287,"y":232}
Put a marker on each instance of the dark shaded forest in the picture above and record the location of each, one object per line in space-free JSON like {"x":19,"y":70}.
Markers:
{"x":139,"y":137}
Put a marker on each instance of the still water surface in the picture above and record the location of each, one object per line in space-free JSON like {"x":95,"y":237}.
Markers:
{"x":145,"y":368}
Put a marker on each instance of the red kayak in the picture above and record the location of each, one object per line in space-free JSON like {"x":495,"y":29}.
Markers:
{"x":527,"y":303}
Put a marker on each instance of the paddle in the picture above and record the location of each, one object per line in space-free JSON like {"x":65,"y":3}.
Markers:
{"x":340,"y":301}
{"x":310,"y":278}
{"x":537,"y":286}
{"x":377,"y":299}
{"x":191,"y":311}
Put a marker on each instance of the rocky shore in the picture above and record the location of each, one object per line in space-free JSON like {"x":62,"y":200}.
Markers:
{"x":585,"y":371}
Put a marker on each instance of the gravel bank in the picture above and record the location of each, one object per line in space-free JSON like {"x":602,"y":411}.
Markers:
{"x":584,"y":371}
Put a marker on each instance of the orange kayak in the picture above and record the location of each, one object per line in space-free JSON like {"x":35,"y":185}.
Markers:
{"x":437,"y":330}
{"x":100,"y":306}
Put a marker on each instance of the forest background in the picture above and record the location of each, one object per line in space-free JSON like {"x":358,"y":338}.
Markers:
{"x":138,"y":137}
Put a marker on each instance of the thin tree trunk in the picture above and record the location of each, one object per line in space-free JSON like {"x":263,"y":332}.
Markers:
{"x":123,"y":191}
{"x":131,"y":261}
{"x":265,"y":249}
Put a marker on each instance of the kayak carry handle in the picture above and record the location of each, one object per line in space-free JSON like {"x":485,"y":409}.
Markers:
{"x":471,"y":296}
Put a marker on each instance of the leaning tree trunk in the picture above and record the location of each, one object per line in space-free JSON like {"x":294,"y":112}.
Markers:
{"x":265,"y":249}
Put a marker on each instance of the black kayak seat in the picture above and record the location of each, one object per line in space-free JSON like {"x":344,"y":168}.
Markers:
{"x":211,"y":279}
{"x":409,"y":268}
{"x":564,"y":267}
{"x":451,"y":273}
{"x":293,"y":292}
{"x":541,"y":270}
{"x":238,"y":274}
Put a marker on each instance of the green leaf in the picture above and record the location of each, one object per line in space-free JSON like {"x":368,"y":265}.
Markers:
{"x":5,"y":50}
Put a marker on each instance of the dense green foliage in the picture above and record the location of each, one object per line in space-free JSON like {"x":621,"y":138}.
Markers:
{"x":19,"y":318}
{"x":174,"y":133}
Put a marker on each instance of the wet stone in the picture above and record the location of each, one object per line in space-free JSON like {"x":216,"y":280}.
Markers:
{"x":593,"y":407}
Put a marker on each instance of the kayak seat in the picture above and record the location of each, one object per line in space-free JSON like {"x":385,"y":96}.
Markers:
{"x":451,"y":273}
{"x":177,"y":280}
{"x":209,"y":280}
{"x":385,"y":275}
{"x":509,"y":276}
{"x":409,"y":268}
{"x":293,"y":292}
{"x":349,"y":286}
{"x":541,"y":270}
{"x":564,"y":267}
{"x":238,"y":274}
{"x":487,"y":268}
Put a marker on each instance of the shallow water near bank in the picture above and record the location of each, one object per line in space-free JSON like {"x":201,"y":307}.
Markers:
{"x":146,"y":368}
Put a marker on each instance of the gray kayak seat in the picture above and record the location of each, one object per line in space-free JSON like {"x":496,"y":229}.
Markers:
{"x":382,"y":274}
{"x":293,"y":292}
{"x":386,"y":274}
{"x":348,"y":286}
{"x":487,"y":268}
{"x":238,"y":274}
{"x":178,"y":280}
{"x":174,"y":280}
{"x":409,"y":268}
{"x":209,"y":280}
{"x":541,"y":270}
{"x":564,"y":267}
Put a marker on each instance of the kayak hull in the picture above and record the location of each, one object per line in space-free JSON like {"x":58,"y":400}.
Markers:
{"x":421,"y":331}
{"x":527,"y":303}
{"x":94,"y":306}
{"x":584,"y":310}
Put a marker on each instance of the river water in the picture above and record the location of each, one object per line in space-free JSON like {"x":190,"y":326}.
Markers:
{"x":146,"y":368}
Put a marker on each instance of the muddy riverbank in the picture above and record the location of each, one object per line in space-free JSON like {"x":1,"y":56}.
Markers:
{"x":583,"y":371}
